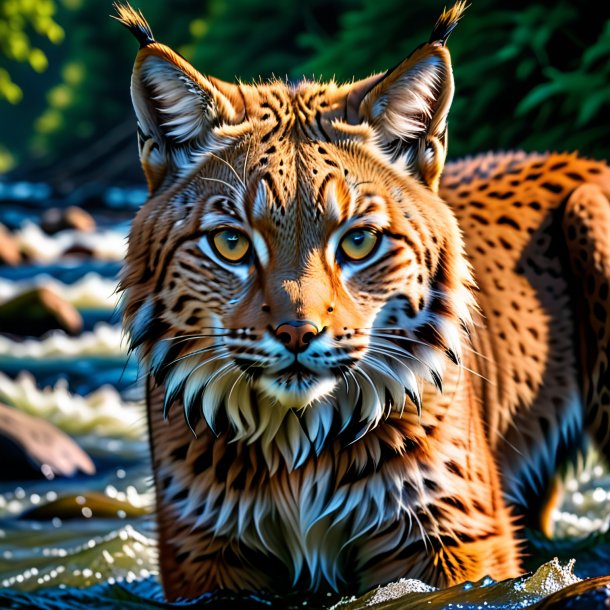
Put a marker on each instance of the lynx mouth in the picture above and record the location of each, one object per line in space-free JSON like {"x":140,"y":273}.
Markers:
{"x":296,"y":386}
{"x":296,"y":369}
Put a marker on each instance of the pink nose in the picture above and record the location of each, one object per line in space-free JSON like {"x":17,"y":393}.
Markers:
{"x":296,"y":336}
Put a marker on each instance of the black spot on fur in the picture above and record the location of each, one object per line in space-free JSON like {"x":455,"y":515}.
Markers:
{"x":501,"y":195}
{"x":182,"y":557}
{"x":505,"y":220}
{"x":505,"y":244}
{"x":553,"y":187}
{"x":179,"y":454}
{"x":203,"y":462}
{"x":180,"y":495}
{"x":229,"y":456}
{"x":455,"y":502}
{"x":454,"y":468}
{"x":480,"y":219}
{"x":600,"y":313}
{"x":557,"y":166}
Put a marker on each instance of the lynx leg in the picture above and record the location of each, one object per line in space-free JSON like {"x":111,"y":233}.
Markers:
{"x":587,"y":229}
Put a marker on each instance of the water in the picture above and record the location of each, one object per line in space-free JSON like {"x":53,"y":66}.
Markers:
{"x":89,"y":540}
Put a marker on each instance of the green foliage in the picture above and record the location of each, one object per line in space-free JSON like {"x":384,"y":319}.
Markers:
{"x":373,"y":36}
{"x":248,"y":39}
{"x":533,"y":76}
{"x":18,"y":19}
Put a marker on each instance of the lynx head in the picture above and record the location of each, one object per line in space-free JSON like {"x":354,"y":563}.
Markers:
{"x":294,"y":275}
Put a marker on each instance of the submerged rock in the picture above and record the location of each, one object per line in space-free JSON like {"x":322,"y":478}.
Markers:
{"x":90,"y":505}
{"x":60,"y":219}
{"x":35,"y":448}
{"x":36,"y":311}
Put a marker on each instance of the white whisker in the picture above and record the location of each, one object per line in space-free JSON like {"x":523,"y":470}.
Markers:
{"x":227,"y":184}
{"x":197,"y":352}
{"x":211,"y":154}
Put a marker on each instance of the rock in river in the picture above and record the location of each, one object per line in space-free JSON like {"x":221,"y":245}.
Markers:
{"x":31,"y":447}
{"x":10,"y":252}
{"x":36,"y":311}
{"x":60,"y":219}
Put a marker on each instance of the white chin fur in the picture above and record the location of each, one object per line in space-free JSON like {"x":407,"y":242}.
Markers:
{"x":296,"y":395}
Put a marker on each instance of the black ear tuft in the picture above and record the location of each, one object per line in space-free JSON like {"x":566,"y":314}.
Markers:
{"x":446,"y":23}
{"x":134,"y":21}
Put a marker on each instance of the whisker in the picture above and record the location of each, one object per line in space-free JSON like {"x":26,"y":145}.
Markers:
{"x":246,"y":161}
{"x":201,"y":394}
{"x":209,"y":361}
{"x":220,"y":372}
{"x":211,"y":154}
{"x":424,"y":534}
{"x":238,"y":378}
{"x":415,"y":396}
{"x":363,"y":373}
{"x":387,"y":354}
{"x":218,"y":328}
{"x":466,"y":346}
{"x":397,"y":352}
{"x":350,"y":372}
{"x":197,"y":352}
{"x":401,"y":337}
{"x":344,"y":379}
{"x":477,"y":374}
{"x":228,"y":185}
{"x":192,"y":337}
{"x":461,"y":364}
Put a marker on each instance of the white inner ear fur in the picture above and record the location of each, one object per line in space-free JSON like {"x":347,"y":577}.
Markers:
{"x":184,"y":105}
{"x":407,"y":106}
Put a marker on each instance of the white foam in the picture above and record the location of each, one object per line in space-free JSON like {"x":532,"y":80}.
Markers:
{"x":400,"y":588}
{"x":102,"y":412}
{"x":90,"y":292}
{"x":549,"y":578}
{"x":107,"y":245}
{"x":104,"y":341}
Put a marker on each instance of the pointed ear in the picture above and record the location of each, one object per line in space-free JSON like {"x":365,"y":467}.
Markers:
{"x":408,"y":105}
{"x":177,"y":108}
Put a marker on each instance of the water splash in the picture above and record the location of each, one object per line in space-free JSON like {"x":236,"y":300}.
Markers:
{"x":102,"y":412}
{"x":89,"y":292}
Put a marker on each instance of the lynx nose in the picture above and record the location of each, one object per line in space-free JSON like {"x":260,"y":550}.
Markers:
{"x":296,"y":335}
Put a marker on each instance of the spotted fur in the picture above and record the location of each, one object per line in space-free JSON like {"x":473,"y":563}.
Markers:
{"x":390,"y":445}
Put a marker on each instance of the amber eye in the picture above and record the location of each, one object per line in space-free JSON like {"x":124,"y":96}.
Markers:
{"x":231,"y":245}
{"x":358,"y":244}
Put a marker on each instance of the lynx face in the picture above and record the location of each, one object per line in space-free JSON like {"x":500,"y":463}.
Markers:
{"x":294,"y":273}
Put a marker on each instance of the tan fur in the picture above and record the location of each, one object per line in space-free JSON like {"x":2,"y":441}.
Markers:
{"x":394,"y":448}
{"x":545,"y":350}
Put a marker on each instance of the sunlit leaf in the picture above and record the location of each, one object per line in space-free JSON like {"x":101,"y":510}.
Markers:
{"x":38,"y":60}
{"x":8,"y":89}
